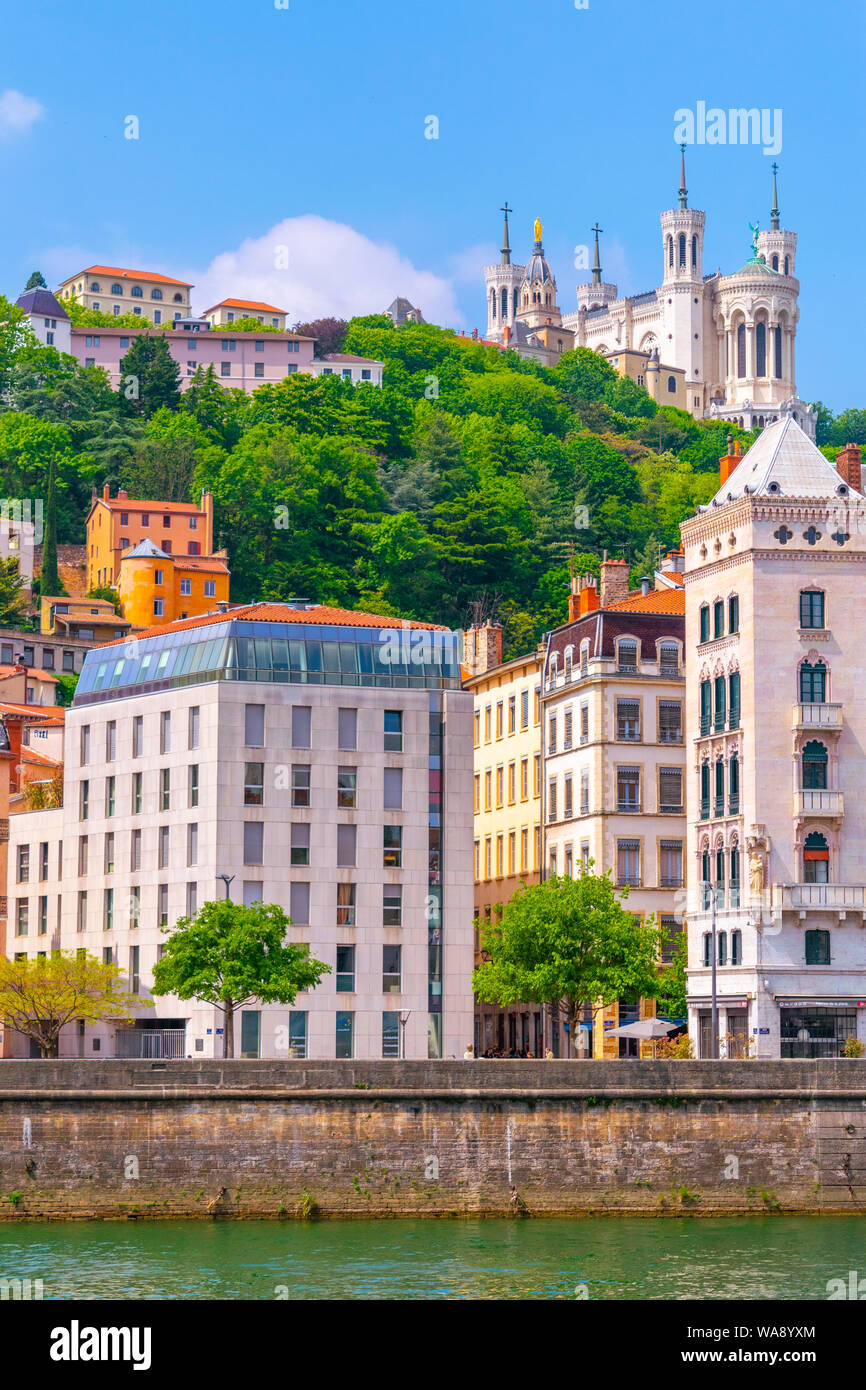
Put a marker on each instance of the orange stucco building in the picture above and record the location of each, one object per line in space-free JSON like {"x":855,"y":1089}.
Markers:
{"x":156,"y":587}
{"x":120,"y":523}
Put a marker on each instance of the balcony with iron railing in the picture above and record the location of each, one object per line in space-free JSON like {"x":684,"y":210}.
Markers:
{"x":826,"y":717}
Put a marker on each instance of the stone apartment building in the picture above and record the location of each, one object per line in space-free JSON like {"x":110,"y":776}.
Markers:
{"x":776,"y":732}
{"x":507,"y":802}
{"x":613,"y":758}
{"x":318,"y":758}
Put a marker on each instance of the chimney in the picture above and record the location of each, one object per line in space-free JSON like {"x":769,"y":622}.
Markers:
{"x":848,"y":465}
{"x":482,"y":648}
{"x":674,"y":562}
{"x":645,"y":586}
{"x":583,"y":598}
{"x":105,"y":492}
{"x":614,"y":581}
{"x":122,"y":494}
{"x":506,"y":334}
{"x":730,"y":460}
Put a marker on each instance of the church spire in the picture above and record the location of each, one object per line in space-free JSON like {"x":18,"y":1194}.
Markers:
{"x":506,"y":245}
{"x":684,"y":192}
{"x":774,"y":210}
{"x":596,"y":264}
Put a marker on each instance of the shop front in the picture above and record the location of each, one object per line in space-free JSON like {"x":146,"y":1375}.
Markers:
{"x":817,"y":1027}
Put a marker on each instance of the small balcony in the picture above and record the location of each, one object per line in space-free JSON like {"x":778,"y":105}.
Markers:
{"x":827,"y":718}
{"x":819,"y":802}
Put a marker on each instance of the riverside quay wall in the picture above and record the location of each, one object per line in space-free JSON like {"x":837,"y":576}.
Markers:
{"x":141,"y":1139}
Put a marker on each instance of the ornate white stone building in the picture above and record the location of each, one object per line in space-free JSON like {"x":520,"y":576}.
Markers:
{"x":775,"y":738}
{"x":732,"y":337}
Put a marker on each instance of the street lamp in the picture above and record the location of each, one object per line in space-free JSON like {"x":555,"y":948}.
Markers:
{"x":404,"y":1019}
{"x":714,"y":1014}
{"x":227,"y":879}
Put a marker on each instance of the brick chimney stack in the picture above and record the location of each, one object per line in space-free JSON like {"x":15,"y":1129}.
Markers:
{"x":848,"y":465}
{"x":614,"y":581}
{"x":729,"y":460}
{"x":482,"y":648}
{"x":583,"y":598}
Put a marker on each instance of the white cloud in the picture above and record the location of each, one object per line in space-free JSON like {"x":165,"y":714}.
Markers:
{"x":18,"y":113}
{"x":312,"y":267}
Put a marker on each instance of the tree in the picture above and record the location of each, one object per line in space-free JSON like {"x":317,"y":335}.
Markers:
{"x":106,"y":593}
{"x":673,"y":981}
{"x":228,"y":955}
{"x":49,"y":582}
{"x":329,"y":333}
{"x":163,"y":462}
{"x":149,"y":377}
{"x":36,"y":281}
{"x":13,"y":596}
{"x":39,"y":997}
{"x":568,"y":943}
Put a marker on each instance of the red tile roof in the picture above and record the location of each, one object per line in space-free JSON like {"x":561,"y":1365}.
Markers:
{"x":130,"y":275}
{"x":245,"y":304}
{"x":656,"y":601}
{"x":31,"y":671}
{"x":283,"y":613}
{"x":131,"y":504}
{"x":30,"y":755}
{"x":51,"y":713}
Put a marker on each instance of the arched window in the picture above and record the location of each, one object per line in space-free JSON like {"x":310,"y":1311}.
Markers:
{"x":672,"y":384}
{"x":761,"y":350}
{"x":816,"y":859}
{"x":734,"y":784}
{"x":514,"y":301}
{"x":736,"y":948}
{"x":584,"y":657}
{"x":705,"y":879}
{"x":156,"y":294}
{"x":669,"y":659}
{"x":137,"y":292}
{"x":719,"y":808}
{"x":735,"y":877}
{"x":708,"y":949}
{"x":627,"y":654}
{"x":178,"y":299}
{"x":813,"y":683}
{"x":733,"y":613}
{"x":720,"y":870}
{"x":569,"y":654}
{"x":117,"y":289}
{"x":722,"y":938}
{"x":786,"y":265}
{"x":694,"y":250}
{"x":505,"y":304}
{"x":815,"y":765}
{"x":705,"y":791}
{"x":94,"y":287}
{"x":777,"y":368}
{"x":670,"y":250}
{"x":493,"y":304}
{"x":682,"y":256}
{"x":741,"y":351}
{"x":705,"y":623}
{"x":817,"y":947}
{"x":812,"y":608}
{"x":775,"y":262}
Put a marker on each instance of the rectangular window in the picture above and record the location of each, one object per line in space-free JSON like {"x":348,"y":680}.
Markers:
{"x":628,"y":721}
{"x":210,"y":588}
{"x":567,"y":727}
{"x":392,"y":846}
{"x":81,"y":910}
{"x":191,"y":899}
{"x":300,"y":784}
{"x":812,"y":608}
{"x":109,"y":796}
{"x":299,"y":853}
{"x":392,"y":905}
{"x":347,"y":837}
{"x":254,"y":784}
{"x":551,"y":799}
{"x":500,"y":785}
{"x":165,"y":789}
{"x":135,"y":851}
{"x":162,"y":905}
{"x":719,"y":691}
{"x":134,"y":976}
{"x":345,"y":970}
{"x":734,"y":700}
{"x":705,"y":624}
{"x":393,"y":789}
{"x":23,"y":863}
{"x":165,"y":732}
{"x":253,"y":842}
{"x":163,"y":846}
{"x":42,"y":927}
{"x":191,"y":845}
{"x":718,"y":619}
{"x":298,"y":1034}
{"x":551,"y":733}
{"x":254,"y":726}
{"x":628,"y":789}
{"x":192,"y":785}
{"x":21,"y":917}
{"x":84,"y":744}
{"x":347,"y":787}
{"x":584,"y":792}
{"x":109,"y":853}
{"x":499,"y":716}
{"x":584,"y":724}
{"x":512,"y":783}
{"x":524,"y":709}
{"x":82,"y":855}
{"x":733,"y":614}
{"x":110,"y":741}
{"x":301,"y":715}
{"x":391,"y":966}
{"x":185,"y":588}
{"x":628,"y":862}
{"x":84,"y":801}
{"x":347,"y":729}
{"x":43,"y":860}
{"x":670,"y":863}
{"x":512,"y":713}
{"x":193,"y":721}
{"x":299,"y":903}
{"x":568,"y":804}
{"x":345,"y":1035}
{"x":670,"y":721}
{"x":393,"y":731}
{"x":671,"y":790}
{"x":345,"y":904}
{"x":108,"y":909}
{"x":137,"y":735}
{"x":390,"y":1033}
{"x":159,"y":607}
{"x":524,"y":779}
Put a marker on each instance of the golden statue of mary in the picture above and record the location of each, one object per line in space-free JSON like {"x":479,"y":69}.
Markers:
{"x":538,"y":229}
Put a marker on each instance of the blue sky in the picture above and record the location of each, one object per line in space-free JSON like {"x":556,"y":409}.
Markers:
{"x":261,"y":127}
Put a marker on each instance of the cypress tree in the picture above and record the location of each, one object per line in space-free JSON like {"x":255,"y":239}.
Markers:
{"x":50,"y":581}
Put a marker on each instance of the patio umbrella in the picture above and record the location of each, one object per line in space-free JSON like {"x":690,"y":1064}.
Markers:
{"x":646,"y":1028}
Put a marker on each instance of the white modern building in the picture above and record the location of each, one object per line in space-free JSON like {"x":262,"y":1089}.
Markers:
{"x":776,"y":746}
{"x":318,"y":758}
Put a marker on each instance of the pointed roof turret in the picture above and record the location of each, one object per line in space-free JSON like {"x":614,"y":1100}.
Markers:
{"x":596,"y":264}
{"x":506,"y":245}
{"x":684,"y":192}
{"x":774,"y":210}
{"x":783,"y":463}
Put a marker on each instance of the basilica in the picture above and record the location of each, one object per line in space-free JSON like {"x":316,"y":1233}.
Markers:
{"x":719,"y":346}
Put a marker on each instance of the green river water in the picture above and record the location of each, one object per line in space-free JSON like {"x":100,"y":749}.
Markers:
{"x":599,"y":1258}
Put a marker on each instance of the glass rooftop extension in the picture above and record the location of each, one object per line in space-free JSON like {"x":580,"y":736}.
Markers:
{"x":314,"y":654}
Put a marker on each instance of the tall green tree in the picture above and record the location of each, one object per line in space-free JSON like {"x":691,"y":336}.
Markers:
{"x":38,"y":998}
{"x":568,"y":943}
{"x":149,"y":377}
{"x":35,"y":281}
{"x":13,"y":596}
{"x":229,"y":955}
{"x":49,"y":582}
